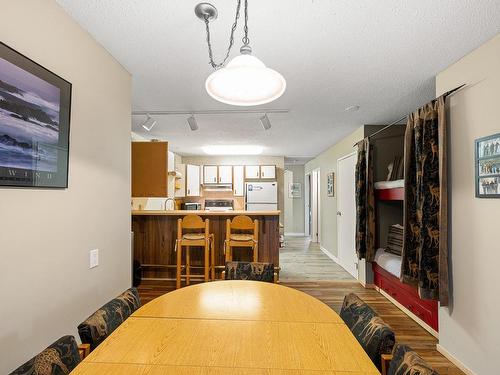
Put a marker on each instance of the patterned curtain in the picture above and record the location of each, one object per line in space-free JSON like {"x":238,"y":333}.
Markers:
{"x":365,"y":202}
{"x":425,"y":247}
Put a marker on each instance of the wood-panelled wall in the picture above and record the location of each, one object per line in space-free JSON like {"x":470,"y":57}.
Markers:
{"x":149,"y":169}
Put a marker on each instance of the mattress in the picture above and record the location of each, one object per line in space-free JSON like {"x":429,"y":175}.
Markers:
{"x":389,"y":262}
{"x":389,"y":184}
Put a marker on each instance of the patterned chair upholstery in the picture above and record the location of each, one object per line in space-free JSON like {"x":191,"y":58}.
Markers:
{"x":100,"y":324}
{"x":250,"y":271}
{"x":405,"y":362}
{"x":374,"y":335}
{"x":60,"y":358}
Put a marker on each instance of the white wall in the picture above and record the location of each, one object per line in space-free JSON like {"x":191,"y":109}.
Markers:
{"x":288,"y":219}
{"x":327,"y":162}
{"x":45,"y":235}
{"x":297,"y":213}
{"x":470,"y":328}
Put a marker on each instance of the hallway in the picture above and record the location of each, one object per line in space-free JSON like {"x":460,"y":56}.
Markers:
{"x":301,"y":259}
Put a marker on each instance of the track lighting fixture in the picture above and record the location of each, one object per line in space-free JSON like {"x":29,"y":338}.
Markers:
{"x":192,"y":123}
{"x":266,"y":124}
{"x":149,"y":123}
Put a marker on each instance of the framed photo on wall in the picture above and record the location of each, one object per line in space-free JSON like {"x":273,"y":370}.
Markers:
{"x":330,"y":184}
{"x":295,"y":190}
{"x":35,"y":107}
{"x":487,"y":165}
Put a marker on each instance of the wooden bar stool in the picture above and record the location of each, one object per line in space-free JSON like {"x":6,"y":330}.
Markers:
{"x":241,"y":232}
{"x":193,"y":231}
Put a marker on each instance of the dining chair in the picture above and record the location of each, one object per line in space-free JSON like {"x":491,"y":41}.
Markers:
{"x":101,"y":323}
{"x":374,"y":335}
{"x":242,"y":232}
{"x":250,"y":271}
{"x":61,"y":357}
{"x":404,"y":360}
{"x":192,"y":231}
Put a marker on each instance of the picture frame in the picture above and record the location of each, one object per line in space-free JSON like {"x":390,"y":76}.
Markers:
{"x":487,"y":166}
{"x":330,"y":184}
{"x":295,"y":190}
{"x":35,"y":110}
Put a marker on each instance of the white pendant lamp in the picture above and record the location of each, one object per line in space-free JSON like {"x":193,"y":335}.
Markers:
{"x":245,"y":80}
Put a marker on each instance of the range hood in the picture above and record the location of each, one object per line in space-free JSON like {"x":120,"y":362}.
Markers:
{"x":218,"y":187}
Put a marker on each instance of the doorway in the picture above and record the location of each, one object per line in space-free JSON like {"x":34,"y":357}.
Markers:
{"x":346,"y":213}
{"x":307,"y":205}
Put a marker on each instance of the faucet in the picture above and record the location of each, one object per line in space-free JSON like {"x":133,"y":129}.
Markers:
{"x":167,"y":200}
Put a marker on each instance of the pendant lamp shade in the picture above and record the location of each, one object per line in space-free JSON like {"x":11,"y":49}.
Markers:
{"x":245,"y":81}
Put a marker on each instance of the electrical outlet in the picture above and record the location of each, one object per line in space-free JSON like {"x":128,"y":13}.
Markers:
{"x":94,"y":258}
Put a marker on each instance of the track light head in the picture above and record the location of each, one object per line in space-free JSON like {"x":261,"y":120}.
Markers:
{"x":149,"y":123}
{"x":266,"y":124}
{"x":192,"y":123}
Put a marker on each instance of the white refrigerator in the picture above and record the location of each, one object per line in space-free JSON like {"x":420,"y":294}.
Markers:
{"x":261,"y":196}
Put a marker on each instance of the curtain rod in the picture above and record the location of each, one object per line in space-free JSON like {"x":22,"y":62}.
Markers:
{"x":446,"y":94}
{"x":208,"y":112}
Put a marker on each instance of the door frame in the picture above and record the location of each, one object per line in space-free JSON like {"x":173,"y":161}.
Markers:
{"x":307,"y":205}
{"x":316,"y":206}
{"x":354,"y":153}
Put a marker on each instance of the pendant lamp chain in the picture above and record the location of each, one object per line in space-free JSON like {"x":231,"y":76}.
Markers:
{"x":245,"y":39}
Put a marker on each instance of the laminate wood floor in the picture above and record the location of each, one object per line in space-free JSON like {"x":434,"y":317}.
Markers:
{"x":301,"y":259}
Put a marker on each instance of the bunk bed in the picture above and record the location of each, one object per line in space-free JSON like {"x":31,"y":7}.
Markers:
{"x":387,"y":270}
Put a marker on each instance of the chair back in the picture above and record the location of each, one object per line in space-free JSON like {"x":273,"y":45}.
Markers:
{"x":59,"y":358}
{"x":249,"y":271}
{"x":192,"y":223}
{"x":406,"y":361}
{"x":374,"y":335}
{"x":100,"y":324}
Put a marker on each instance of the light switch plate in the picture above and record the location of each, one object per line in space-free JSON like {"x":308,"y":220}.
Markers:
{"x":94,"y":258}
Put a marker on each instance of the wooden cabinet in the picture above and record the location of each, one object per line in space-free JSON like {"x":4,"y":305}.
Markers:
{"x":192,"y":180}
{"x":238,"y":180}
{"x":225,"y":174}
{"x":149,"y":169}
{"x":252,"y":171}
{"x":268,"y":171}
{"x":210,"y":174}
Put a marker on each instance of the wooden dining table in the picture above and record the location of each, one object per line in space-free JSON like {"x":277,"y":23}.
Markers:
{"x":230,"y":327}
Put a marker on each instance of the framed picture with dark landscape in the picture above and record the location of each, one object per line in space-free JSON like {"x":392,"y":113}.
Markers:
{"x":35,"y":106}
{"x":487,"y":166}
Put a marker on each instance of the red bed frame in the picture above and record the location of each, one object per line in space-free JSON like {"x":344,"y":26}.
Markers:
{"x":407,"y":296}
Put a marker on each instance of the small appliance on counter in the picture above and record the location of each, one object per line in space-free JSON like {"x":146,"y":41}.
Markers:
{"x":191,"y":206}
{"x":261,"y":196}
{"x":219,"y":205}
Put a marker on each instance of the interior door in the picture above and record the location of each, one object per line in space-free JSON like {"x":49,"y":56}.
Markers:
{"x":346,"y":214}
{"x":225,"y":174}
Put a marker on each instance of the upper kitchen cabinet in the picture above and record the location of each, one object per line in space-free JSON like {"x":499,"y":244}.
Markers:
{"x":238,"y":181}
{"x":192,"y":180}
{"x":268,"y":171}
{"x":225,"y":174}
{"x":252,"y":171}
{"x":149,"y":169}
{"x":210,"y":174}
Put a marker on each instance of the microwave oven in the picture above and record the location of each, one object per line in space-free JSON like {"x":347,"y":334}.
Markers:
{"x":191,"y":206}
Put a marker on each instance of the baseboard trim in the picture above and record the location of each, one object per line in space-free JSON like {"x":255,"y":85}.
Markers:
{"x":329,"y":255}
{"x":424,"y":325}
{"x":292,"y":234}
{"x":454,"y":360}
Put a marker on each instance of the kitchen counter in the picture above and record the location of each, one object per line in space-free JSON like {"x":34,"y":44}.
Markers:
{"x":155,"y":233}
{"x":203,"y":213}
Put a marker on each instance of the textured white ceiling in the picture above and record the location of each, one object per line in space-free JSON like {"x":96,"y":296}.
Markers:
{"x":380,"y":55}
